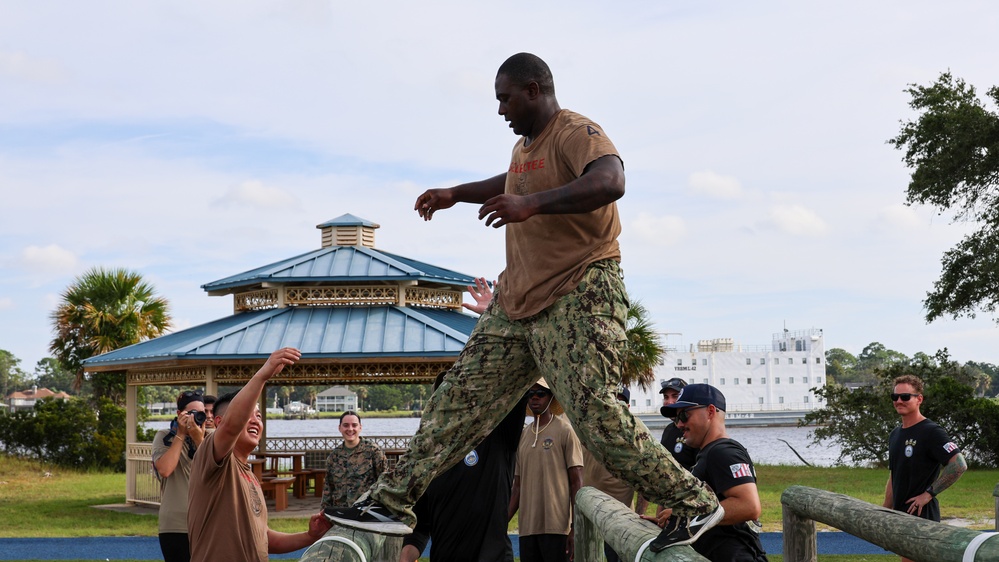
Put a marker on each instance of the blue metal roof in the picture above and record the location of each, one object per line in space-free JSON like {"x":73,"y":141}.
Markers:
{"x":318,"y":332}
{"x":347,"y":219}
{"x":353,"y":264}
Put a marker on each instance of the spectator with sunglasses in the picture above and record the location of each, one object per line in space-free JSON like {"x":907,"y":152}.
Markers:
{"x":173,"y":452}
{"x":916,"y":452}
{"x":725,"y":466}
{"x":549,"y":473}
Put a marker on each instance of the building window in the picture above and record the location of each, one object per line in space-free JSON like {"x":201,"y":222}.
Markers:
{"x":804,"y":360}
{"x":648,"y":402}
{"x":790,"y":380}
{"x":818,"y":360}
{"x":749,"y":380}
{"x":763,"y":361}
{"x":776,"y":380}
{"x":634,"y":403}
{"x":679,"y":362}
{"x":749,"y":361}
{"x":780,"y":400}
{"x":736,"y":380}
{"x":804,"y":380}
{"x":818,"y":380}
{"x":705,"y":381}
{"x":763,"y":380}
{"x":704,"y":361}
{"x":761,"y":399}
{"x":721,"y":381}
{"x":776,"y":360}
{"x":806,"y":400}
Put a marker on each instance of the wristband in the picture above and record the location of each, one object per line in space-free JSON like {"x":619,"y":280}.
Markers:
{"x":930,"y":491}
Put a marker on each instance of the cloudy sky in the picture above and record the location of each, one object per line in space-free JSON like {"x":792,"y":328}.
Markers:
{"x":193,"y":140}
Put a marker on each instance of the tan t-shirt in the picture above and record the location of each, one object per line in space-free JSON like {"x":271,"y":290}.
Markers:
{"x":173,"y":490}
{"x":546,"y":255}
{"x":226,"y":517}
{"x":544,"y":478}
{"x":597,"y":475}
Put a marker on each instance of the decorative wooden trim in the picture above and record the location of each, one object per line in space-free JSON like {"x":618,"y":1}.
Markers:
{"x":422,"y":372}
{"x":343,"y":295}
{"x":168,"y":375}
{"x":437,"y":298}
{"x":256,"y":300}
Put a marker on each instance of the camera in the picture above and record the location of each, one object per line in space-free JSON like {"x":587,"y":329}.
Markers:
{"x":199,"y":417}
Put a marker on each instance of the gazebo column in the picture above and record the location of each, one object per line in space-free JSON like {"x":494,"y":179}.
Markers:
{"x":131,"y":421}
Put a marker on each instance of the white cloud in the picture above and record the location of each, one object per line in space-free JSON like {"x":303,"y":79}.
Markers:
{"x":715,"y":185}
{"x":900,"y":217}
{"x":49,"y":259}
{"x":659,"y":231}
{"x":797,"y":220}
{"x":255,"y":194}
{"x":31,"y":69}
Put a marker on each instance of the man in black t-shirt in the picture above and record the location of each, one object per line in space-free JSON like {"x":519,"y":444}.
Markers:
{"x":464,"y":510}
{"x":916,"y":452}
{"x":725,"y":466}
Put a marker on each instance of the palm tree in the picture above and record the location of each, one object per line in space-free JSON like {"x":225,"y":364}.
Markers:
{"x":645,"y":351}
{"x":103,"y":310}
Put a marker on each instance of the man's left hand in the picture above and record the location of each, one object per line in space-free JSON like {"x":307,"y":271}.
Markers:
{"x":917,"y":503}
{"x":504,"y":209}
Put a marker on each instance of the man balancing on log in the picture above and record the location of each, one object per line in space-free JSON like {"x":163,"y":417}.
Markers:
{"x":559,"y":313}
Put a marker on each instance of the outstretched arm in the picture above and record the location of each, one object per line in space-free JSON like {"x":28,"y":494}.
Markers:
{"x":244,"y":403}
{"x":280,"y":543}
{"x":474,"y":192}
{"x":601,"y":183}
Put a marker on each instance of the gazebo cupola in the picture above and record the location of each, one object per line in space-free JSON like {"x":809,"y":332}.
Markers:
{"x":346,"y":271}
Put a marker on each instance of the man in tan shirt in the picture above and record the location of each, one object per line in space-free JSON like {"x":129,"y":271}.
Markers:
{"x":559,"y":313}
{"x":227,"y":517}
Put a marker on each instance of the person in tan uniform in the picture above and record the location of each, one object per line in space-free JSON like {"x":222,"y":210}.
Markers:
{"x":559,"y":312}
{"x":227,"y":517}
{"x":549,"y":473}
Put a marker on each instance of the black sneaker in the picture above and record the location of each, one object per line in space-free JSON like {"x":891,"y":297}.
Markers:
{"x":369,"y":515}
{"x":683,"y":530}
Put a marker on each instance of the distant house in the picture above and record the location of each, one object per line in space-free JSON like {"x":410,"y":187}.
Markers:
{"x":336,"y":399}
{"x":298,"y":408}
{"x":161,"y":408}
{"x":25,"y":399}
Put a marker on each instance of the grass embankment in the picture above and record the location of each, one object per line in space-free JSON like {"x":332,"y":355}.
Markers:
{"x":43,"y":501}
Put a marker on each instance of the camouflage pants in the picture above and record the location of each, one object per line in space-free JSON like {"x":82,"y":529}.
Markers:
{"x":577,"y":344}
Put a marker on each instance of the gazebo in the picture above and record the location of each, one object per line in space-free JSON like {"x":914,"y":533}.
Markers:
{"x":358,"y":314}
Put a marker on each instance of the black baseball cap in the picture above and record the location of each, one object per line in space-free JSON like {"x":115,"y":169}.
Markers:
{"x":673,"y":383}
{"x":698,"y":395}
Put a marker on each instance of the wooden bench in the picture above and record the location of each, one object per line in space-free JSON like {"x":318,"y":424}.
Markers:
{"x":278,"y":487}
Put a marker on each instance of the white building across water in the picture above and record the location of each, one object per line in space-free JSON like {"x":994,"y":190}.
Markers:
{"x":762,"y":384}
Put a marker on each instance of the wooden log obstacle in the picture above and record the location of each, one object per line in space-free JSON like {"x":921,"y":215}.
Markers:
{"x":600,"y":518}
{"x":901,"y":533}
{"x":341,"y":544}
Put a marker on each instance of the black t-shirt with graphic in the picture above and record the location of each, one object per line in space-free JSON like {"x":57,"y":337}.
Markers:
{"x":722,"y":465}
{"x":915,"y":455}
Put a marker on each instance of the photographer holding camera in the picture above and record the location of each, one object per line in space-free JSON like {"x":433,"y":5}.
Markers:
{"x":173,"y":452}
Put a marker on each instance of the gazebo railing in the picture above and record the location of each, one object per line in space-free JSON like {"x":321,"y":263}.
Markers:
{"x":144,"y":488}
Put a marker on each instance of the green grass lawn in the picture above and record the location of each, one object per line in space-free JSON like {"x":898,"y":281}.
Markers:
{"x":43,"y":501}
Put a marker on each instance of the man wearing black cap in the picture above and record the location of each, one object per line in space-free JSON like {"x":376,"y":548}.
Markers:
{"x":673,"y":435}
{"x":723,"y":464}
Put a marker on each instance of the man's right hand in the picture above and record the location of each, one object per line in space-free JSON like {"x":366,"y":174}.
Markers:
{"x":278,"y":361}
{"x":433,"y":200}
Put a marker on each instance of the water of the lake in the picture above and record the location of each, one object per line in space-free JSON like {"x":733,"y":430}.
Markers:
{"x":764,"y":444}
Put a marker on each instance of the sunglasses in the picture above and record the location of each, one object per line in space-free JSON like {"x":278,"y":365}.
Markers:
{"x":684,"y":414}
{"x":673,"y":383}
{"x":540,"y":393}
{"x":190,"y":393}
{"x":905,"y":396}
